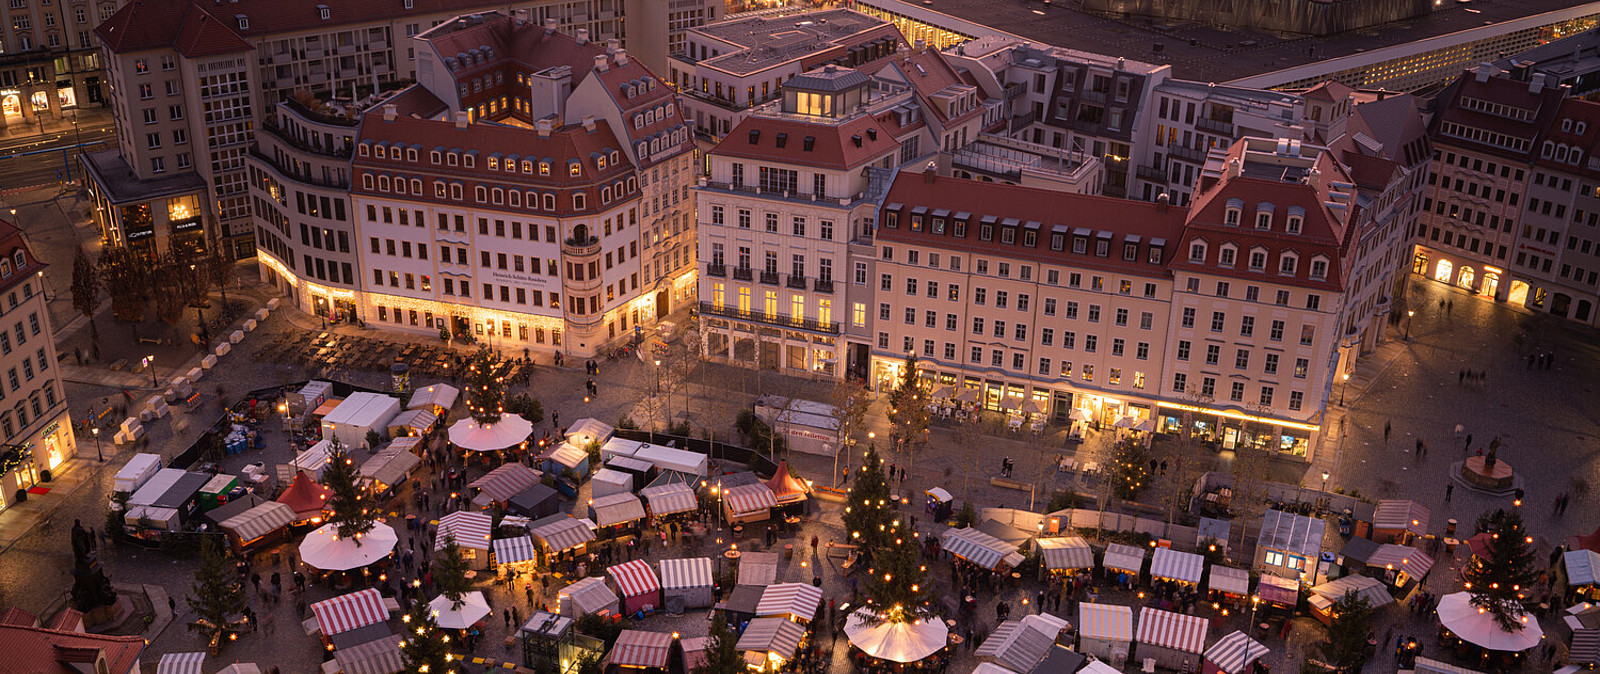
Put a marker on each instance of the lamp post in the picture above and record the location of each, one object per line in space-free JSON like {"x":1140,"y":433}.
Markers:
{"x":152,"y":360}
{"x":1255,"y":602}
{"x":1409,"y":314}
{"x":1325,"y":481}
{"x":96,"y":432}
{"x":1344,"y":388}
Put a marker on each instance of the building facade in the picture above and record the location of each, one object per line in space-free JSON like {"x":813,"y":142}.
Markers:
{"x":35,"y":422}
{"x":531,"y":191}
{"x":50,"y":58}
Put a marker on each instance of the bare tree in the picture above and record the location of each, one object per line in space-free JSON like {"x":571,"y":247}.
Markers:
{"x":86,"y":287}
{"x":127,"y":276}
{"x":219,"y":267}
{"x":1251,"y":475}
{"x":850,"y":401}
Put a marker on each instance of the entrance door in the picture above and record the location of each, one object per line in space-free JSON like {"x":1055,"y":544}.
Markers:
{"x":1467,"y":277}
{"x":1419,"y":263}
{"x":661,"y":305}
{"x":462,"y":327}
{"x":1491,"y":284}
{"x":1560,"y":304}
{"x":1444,"y":272}
{"x":1061,"y":408}
{"x":320,"y":305}
{"x":860,"y":355}
{"x":1519,"y":293}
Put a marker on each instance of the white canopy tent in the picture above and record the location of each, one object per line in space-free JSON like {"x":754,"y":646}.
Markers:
{"x":896,"y":642}
{"x":439,"y":397}
{"x":510,"y":430}
{"x":472,"y":609}
{"x":323,"y":549}
{"x":1458,"y":615}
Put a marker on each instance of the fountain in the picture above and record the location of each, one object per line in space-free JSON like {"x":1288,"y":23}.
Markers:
{"x":1487,"y":472}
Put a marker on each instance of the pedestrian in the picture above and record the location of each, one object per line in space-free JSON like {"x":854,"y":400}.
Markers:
{"x":1441,"y":304}
{"x":1419,"y":446}
{"x":902,"y":474}
{"x":814,"y":545}
{"x":255,"y":582}
{"x":1530,"y":361}
{"x":1461,"y":376}
{"x":891,"y":471}
{"x":1163,"y":466}
{"x":1469,"y":443}
{"x":507,"y":614}
{"x":1449,"y":306}
{"x":172,"y":605}
{"x":1386,"y":429}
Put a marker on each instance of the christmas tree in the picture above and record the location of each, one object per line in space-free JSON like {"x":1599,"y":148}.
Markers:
{"x":897,"y":583}
{"x":1348,"y":631}
{"x":450,"y":572}
{"x":868,"y":514}
{"x":722,"y":655}
{"x":1130,"y":469}
{"x":350,"y":504}
{"x":908,"y":405}
{"x":218,"y":596}
{"x":485,"y":389}
{"x":424,"y":649}
{"x":1499,"y":581}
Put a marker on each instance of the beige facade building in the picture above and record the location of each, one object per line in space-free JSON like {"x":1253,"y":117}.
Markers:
{"x":35,"y":424}
{"x":50,"y":58}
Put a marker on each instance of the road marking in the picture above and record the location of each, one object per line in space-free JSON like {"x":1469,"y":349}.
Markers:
{"x":28,"y":188}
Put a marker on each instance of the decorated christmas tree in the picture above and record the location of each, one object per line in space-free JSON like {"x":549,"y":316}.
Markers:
{"x":218,"y":597}
{"x":908,"y":405}
{"x":868,"y":514}
{"x":722,"y":655}
{"x":897,"y":583}
{"x":1130,"y":469}
{"x":485,"y":389}
{"x":1499,"y":581}
{"x":424,"y":649}
{"x":450,"y":572}
{"x":350,"y":506}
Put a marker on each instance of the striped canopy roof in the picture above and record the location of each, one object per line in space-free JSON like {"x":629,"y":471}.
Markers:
{"x":181,"y":663}
{"x":668,"y":499}
{"x":379,"y":656}
{"x":1066,"y":553}
{"x":1229,"y":580}
{"x":634,"y":578}
{"x":1177,"y":565}
{"x":513,"y":550}
{"x":790,"y":599}
{"x":506,"y":481}
{"x":686,"y":573}
{"x":638,"y":648}
{"x":350,"y":611}
{"x":1401,"y":558}
{"x":469,"y":529}
{"x":1233,"y":653}
{"x":777,"y":636}
{"x":1400,"y":514}
{"x":1176,"y":631}
{"x":1109,"y":622}
{"x":561,"y":532}
{"x":1123,"y":558}
{"x":749,"y":498}
{"x":259,"y":521}
{"x":977,"y":547}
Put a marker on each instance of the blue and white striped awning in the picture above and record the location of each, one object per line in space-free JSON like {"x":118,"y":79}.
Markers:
{"x":513,"y":550}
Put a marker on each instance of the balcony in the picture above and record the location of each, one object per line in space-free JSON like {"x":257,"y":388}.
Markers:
{"x":584,"y":248}
{"x":1152,"y":174}
{"x":823,"y":285}
{"x":1020,"y":121}
{"x":1014,"y":90}
{"x":782,"y":320}
{"x":717,"y":270}
{"x":1092,"y":96}
{"x":741,"y":274}
{"x":769,"y":277}
{"x":796,"y":282}
{"x":1215,"y":126}
{"x":1187,"y":154}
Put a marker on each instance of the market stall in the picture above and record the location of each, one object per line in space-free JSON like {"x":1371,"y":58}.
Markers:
{"x":668,"y":458}
{"x":587,"y":430}
{"x":881,"y":641}
{"x":1323,"y":596}
{"x":412,"y":423}
{"x":616,"y":514}
{"x":471,"y":531}
{"x":1124,"y":559}
{"x":1173,"y":640}
{"x":137,"y":471}
{"x":939,"y":503}
{"x":459,"y":615}
{"x":1065,"y":555}
{"x":607,"y":482}
{"x":378,"y":656}
{"x":181,"y":663}
{"x":637,"y":650}
{"x":358,"y":415}
{"x":808,"y":427}
{"x":560,"y":533}
{"x":1228,"y":583}
{"x":1105,"y":631}
{"x":1398,"y":520}
{"x":323,"y":549}
{"x":980,"y":549}
{"x":314,"y":459}
{"x":516,"y":552}
{"x":1020,"y":645}
{"x":586,"y":596}
{"x":257,"y":525}
{"x":637,"y":584}
{"x":218,"y":490}
{"x":758,"y":568}
{"x":1583,"y":573}
{"x":349,"y":612}
{"x":1288,"y":544}
{"x":642,"y":471}
{"x":1399,"y":565}
{"x":791,"y":601}
{"x":563,"y":459}
{"x":1232,"y":654}
{"x":748,"y":503}
{"x":436,"y":398}
{"x":671,"y":499}
{"x":390,"y":466}
{"x":309,"y":397}
{"x":771,"y":642}
{"x":788,"y":491}
{"x":536,"y":501}
{"x":687,"y":583}
{"x":306,"y":497}
{"x":1175,"y":565}
{"x":502,"y":483}
{"x":1277,"y":591}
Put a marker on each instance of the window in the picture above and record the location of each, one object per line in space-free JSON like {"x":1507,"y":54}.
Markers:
{"x":1301,"y":365}
{"x":1213,"y":354}
{"x":1296,"y":399}
{"x":1180,"y":382}
{"x":1236,"y":391}
{"x":1308,"y":334}
{"x":1287,"y":264}
{"x":1241,"y":359}
{"x":1183,"y":349}
{"x":1217,"y":319}
{"x":1188,"y":317}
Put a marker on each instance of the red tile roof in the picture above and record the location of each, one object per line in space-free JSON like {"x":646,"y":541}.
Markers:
{"x":154,"y":24}
{"x":68,"y":620}
{"x":16,"y":616}
{"x":1586,"y":144}
{"x":838,"y":146}
{"x":11,"y":242}
{"x":1051,"y":209}
{"x":929,"y":73}
{"x":37,"y":650}
{"x":1499,"y":90}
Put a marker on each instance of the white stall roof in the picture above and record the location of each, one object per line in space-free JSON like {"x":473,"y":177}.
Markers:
{"x":138,"y":465}
{"x":442,"y":395}
{"x":1177,"y":565}
{"x":1110,"y":622}
{"x":668,"y":458}
{"x":585,"y":431}
{"x":315,"y":459}
{"x":156,"y":486}
{"x":366,"y":410}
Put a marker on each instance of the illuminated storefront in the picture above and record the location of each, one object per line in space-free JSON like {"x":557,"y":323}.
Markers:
{"x":1232,"y":429}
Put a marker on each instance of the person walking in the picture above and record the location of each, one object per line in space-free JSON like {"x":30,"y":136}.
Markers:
{"x":1449,"y":490}
{"x":1469,"y":443}
{"x":1386,"y":429}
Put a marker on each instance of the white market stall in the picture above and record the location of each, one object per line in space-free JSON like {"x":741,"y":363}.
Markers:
{"x":255,"y":524}
{"x":181,"y":663}
{"x":1172,"y":640}
{"x":358,"y":414}
{"x":1125,"y":559}
{"x":771,"y":641}
{"x":980,"y":549}
{"x":1323,"y":596}
{"x":586,"y":596}
{"x":349,"y":612}
{"x":1232,"y":654}
{"x":391,"y":465}
{"x":758,"y":569}
{"x":1065,"y":553}
{"x":450,"y":615}
{"x":607,"y":482}
{"x":1105,"y":631}
{"x":1184,"y":567}
{"x":559,"y":533}
{"x":471,"y":531}
{"x":687,"y":583}
{"x":1466,"y":622}
{"x":437,"y":398}
{"x":510,"y":431}
{"x":411,"y":423}
{"x":670,"y":499}
{"x":315,"y":459}
{"x":616,"y":510}
{"x":792,"y":601}
{"x":1021,"y":644}
{"x":587,"y":430}
{"x":1229,"y":581}
{"x":503,"y":483}
{"x":896,"y":642}
{"x":323,"y":549}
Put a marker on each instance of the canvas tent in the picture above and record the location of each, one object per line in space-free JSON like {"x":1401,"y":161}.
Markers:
{"x":324,"y":550}
{"x":1125,"y":558}
{"x":560,"y":532}
{"x":450,"y":615}
{"x":1232,"y":654}
{"x":257,"y":523}
{"x":775,"y":640}
{"x":587,"y":430}
{"x":411,"y":423}
{"x":511,"y":430}
{"x":378,"y":656}
{"x":793,"y":601}
{"x":349,"y":612}
{"x":687,"y":583}
{"x":438,"y":398}
{"x":1174,"y":640}
{"x":1066,"y":553}
{"x":306,"y":497}
{"x":787,"y":489}
{"x":616,"y":510}
{"x":500,"y":484}
{"x":1323,"y":596}
{"x":471,"y":532}
{"x":896,"y":642}
{"x":748,"y":503}
{"x":1229,"y":581}
{"x":670,"y":499}
{"x":978,"y":548}
{"x":1457,"y":614}
{"x":1278,"y":590}
{"x":1170,"y":564}
{"x":589,"y":595}
{"x":637,"y":584}
{"x":1105,"y":631}
{"x":514,"y":550}
{"x":1582,"y":567}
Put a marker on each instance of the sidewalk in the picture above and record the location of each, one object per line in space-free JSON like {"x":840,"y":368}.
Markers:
{"x":1346,"y":395}
{"x":21,"y":518}
{"x":87,"y":117}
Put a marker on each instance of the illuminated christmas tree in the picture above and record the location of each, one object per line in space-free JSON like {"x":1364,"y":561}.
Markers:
{"x":485,"y":389}
{"x":350,"y":506}
{"x":868,"y":514}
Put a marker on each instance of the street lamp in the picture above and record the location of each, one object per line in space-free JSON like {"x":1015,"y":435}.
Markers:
{"x":96,"y":432}
{"x":1324,"y":481}
{"x":1409,"y":314}
{"x":1255,"y":602}
{"x":1346,"y":387}
{"x":151,"y":359}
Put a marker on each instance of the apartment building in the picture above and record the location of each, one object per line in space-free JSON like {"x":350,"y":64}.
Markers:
{"x":531,"y":191}
{"x":787,"y":193}
{"x":34,"y":420}
{"x":50,"y":58}
{"x":306,"y":236}
{"x":1485,"y":138}
{"x":193,"y":80}
{"x":1558,"y":247}
{"x":728,"y":68}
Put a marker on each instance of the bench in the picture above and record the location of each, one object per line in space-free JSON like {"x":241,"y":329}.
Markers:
{"x":1008,"y":483}
{"x":118,"y":365}
{"x":149,"y":340}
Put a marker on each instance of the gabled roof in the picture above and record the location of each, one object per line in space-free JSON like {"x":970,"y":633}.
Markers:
{"x":845,"y":146}
{"x":929,"y":73}
{"x":37,"y":650}
{"x":12,"y":243}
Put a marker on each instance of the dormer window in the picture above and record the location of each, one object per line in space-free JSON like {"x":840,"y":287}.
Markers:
{"x":1130,"y":251}
{"x":544,"y":168}
{"x":452,"y":159}
{"x":1263,"y":220}
{"x":411,"y":154}
{"x":1154,"y":254}
{"x":615,"y":158}
{"x":324,"y":12}
{"x":600,"y":162}
{"x":1226,"y":255}
{"x":1319,"y":268}
{"x":579,"y":200}
{"x":1297,"y":216}
{"x":1581,"y":128}
{"x":1234,"y":212}
{"x":809,"y":143}
{"x":783,"y":139}
{"x":470,"y":160}
{"x":1288,"y":264}
{"x":244,"y":22}
{"x":366,"y":150}
{"x":755,"y":136}
{"x":1197,"y":252}
{"x":527,"y":166}
{"x":494,"y":163}
{"x":574,"y":168}
{"x":1258,"y":260}
{"x":435,"y":156}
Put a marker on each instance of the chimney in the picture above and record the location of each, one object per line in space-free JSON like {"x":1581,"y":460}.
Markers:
{"x":588,"y":123}
{"x":904,"y":49}
{"x":1536,"y":83}
{"x":549,"y":26}
{"x":1482,"y":72}
{"x":622,"y":58}
{"x":600,"y":63}
{"x":389,"y":112}
{"x":544,"y":127}
{"x":1314,"y":178}
{"x":1162,"y":201}
{"x":461,"y":119}
{"x":612,"y":45}
{"x":930,"y":173}
{"x":583,"y":36}
{"x":1234,"y":168}
{"x":921,"y":46}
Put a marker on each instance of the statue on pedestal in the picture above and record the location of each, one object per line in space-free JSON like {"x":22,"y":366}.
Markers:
{"x":91,"y":589}
{"x":1494,"y":449}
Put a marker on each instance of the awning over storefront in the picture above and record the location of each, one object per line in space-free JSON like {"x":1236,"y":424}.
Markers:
{"x":670,"y":499}
{"x":514,"y":550}
{"x":1065,"y":553}
{"x":976,"y":547}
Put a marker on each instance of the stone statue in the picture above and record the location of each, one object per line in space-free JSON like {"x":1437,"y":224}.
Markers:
{"x":1494,"y":449}
{"x":91,"y":589}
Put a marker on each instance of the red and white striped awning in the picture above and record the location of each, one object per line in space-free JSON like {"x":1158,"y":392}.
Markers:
{"x":469,"y":529}
{"x":1176,"y":631}
{"x":1401,"y":558}
{"x":1401,"y":514}
{"x":351,"y":611}
{"x":634,"y":578}
{"x":637,"y":648}
{"x":749,"y":498}
{"x":181,"y":663}
{"x":506,"y":481}
{"x":800,"y":600}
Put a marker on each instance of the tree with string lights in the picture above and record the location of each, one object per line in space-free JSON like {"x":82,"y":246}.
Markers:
{"x":868,"y":514}
{"x":450,"y":572}
{"x":1499,"y":581}
{"x":485,"y":388}
{"x":897,"y":584}
{"x":908,"y":406}
{"x":1130,"y":469}
{"x":423,"y":648}
{"x":350,"y":506}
